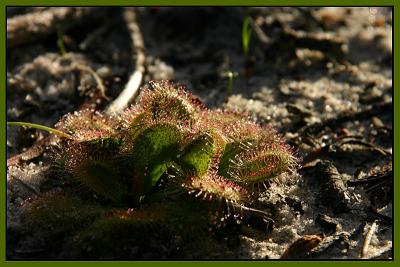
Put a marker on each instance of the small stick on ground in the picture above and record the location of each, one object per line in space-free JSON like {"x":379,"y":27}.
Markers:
{"x":131,"y":89}
{"x":367,"y":240}
{"x":373,"y":110}
{"x":33,"y":152}
{"x":370,"y":146}
{"x":96,"y":77}
{"x":260,"y":33}
{"x":29,"y":27}
{"x":27,"y":186}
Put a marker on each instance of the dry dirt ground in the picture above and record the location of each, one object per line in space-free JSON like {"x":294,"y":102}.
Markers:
{"x":321,"y":76}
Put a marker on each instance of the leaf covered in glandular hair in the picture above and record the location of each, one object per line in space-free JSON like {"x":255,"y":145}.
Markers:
{"x":200,"y":152}
{"x":88,"y":155}
{"x":116,"y":234}
{"x":88,"y":125}
{"x":247,"y":132}
{"x":197,"y":155}
{"x":212,"y":186}
{"x":60,"y":214}
{"x":92,"y":165}
{"x":261,"y":163}
{"x":152,"y":150}
{"x":102,"y":178}
{"x":166,"y":100}
{"x":172,"y":223}
{"x":254,"y":154}
{"x":224,"y":120}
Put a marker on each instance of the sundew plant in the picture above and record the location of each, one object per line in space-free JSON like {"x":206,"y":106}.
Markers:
{"x":167,"y":167}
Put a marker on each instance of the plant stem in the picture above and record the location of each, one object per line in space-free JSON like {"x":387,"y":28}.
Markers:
{"x":40,"y":127}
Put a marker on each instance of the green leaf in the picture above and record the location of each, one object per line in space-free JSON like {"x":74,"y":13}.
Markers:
{"x":153,"y":148}
{"x":246,"y":35}
{"x":231,"y":150}
{"x":197,"y":155}
{"x":61,"y":214}
{"x":258,"y":165}
{"x":102,"y":178}
{"x":104,"y":145}
{"x":154,"y":175}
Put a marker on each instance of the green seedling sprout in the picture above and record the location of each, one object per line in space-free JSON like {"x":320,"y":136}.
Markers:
{"x":230,"y":76}
{"x":246,"y":35}
{"x":60,"y":41}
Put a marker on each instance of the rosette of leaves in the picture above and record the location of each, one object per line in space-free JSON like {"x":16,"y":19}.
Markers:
{"x":168,"y":160}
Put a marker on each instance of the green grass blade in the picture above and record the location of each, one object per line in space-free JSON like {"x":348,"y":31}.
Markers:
{"x":246,"y":34}
{"x":39,"y":127}
{"x":60,"y":41}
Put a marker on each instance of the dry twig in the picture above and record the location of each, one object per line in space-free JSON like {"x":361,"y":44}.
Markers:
{"x":28,"y":27}
{"x":259,"y":32}
{"x":33,"y":152}
{"x":367,"y":240}
{"x":96,"y":77}
{"x":131,"y":89}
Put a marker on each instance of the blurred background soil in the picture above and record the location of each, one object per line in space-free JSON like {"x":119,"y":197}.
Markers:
{"x":321,"y":76}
